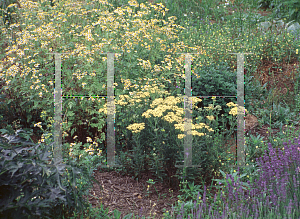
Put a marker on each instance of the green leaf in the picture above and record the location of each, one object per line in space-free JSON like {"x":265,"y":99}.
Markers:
{"x":69,"y":113}
{"x":71,"y":104}
{"x":73,"y":130}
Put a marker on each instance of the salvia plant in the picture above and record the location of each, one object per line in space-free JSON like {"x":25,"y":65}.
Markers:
{"x":274,"y":192}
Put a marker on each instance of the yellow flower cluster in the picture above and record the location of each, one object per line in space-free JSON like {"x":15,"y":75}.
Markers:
{"x":90,"y":150}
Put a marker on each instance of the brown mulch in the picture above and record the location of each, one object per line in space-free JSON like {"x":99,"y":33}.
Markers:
{"x":127,"y":195}
{"x":130,"y":196}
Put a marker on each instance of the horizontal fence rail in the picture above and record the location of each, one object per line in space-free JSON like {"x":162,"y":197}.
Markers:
{"x":188,"y":111}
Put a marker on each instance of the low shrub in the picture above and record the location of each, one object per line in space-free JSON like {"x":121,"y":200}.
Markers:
{"x":32,"y":184}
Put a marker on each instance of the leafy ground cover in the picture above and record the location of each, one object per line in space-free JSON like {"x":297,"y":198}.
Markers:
{"x":149,"y":184}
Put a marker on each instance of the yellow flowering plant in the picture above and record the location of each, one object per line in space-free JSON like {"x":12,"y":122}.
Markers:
{"x":84,"y":67}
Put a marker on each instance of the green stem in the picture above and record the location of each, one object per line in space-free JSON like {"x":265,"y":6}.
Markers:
{"x":157,"y":194}
{"x":270,"y":128}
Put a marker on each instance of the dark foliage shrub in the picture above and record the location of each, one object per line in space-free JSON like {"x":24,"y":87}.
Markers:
{"x":32,"y":185}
